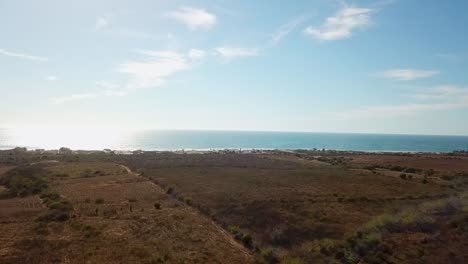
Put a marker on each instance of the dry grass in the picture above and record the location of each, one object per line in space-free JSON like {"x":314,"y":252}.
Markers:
{"x":117,"y":230}
{"x":295,"y":208}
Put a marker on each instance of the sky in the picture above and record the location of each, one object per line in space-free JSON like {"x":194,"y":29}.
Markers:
{"x":381,"y":66}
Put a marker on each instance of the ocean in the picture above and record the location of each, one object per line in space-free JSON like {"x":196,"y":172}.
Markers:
{"x":88,"y":139}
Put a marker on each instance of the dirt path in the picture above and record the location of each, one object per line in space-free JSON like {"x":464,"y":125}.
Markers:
{"x":234,"y":243}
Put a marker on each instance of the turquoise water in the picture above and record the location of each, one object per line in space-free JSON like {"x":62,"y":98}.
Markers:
{"x":174,"y":140}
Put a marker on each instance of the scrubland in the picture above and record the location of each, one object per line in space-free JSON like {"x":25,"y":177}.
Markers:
{"x":263,"y":207}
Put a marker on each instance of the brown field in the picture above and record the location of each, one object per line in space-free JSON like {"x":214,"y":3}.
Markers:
{"x":295,"y":207}
{"x":422,"y":161}
{"x":124,"y":228}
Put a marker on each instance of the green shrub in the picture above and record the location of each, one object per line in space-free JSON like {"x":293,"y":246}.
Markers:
{"x":267,"y":255}
{"x":64,"y":206}
{"x":326,"y":246}
{"x":89,"y":231}
{"x":247,"y":240}
{"x":170,"y":190}
{"x":25,"y":180}
{"x":49,"y":197}
{"x":158,"y":259}
{"x":53,"y":215}
{"x":410,"y":170}
{"x":188,"y":200}
{"x":233,"y":229}
{"x":292,"y":260}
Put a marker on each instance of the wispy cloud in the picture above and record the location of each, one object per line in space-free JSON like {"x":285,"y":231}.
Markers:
{"x":193,"y":18}
{"x":196,"y":54}
{"x":440,"y":98}
{"x":408,"y":74}
{"x":21,"y":55}
{"x":230,"y":53}
{"x":151,"y":71}
{"x":102,"y":22}
{"x":342,"y":24}
{"x":443,"y":93}
{"x":285,"y":29}
{"x":155,"y":68}
{"x":51,"y":78}
{"x":453,"y":56}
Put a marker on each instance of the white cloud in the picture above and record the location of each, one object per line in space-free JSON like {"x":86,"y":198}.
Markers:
{"x":151,"y":71}
{"x":342,"y":24}
{"x":73,"y":97}
{"x":443,"y":93}
{"x":285,"y":29}
{"x":21,"y":55}
{"x":102,"y":22}
{"x":155,"y":68}
{"x":193,"y":18}
{"x":51,"y":78}
{"x":230,"y":53}
{"x":453,"y":56}
{"x":408,"y":74}
{"x":196,"y":54}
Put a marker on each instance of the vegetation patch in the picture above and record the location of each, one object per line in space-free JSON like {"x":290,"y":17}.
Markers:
{"x":292,"y":260}
{"x":24,"y":181}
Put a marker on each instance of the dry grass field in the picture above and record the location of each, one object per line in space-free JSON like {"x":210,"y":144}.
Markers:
{"x":273,"y":207}
{"x":301,"y":205}
{"x":118,"y":217}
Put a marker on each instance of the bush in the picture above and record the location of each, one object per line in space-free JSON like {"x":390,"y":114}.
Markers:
{"x":90,"y":231}
{"x":267,"y":255}
{"x":291,"y":260}
{"x":170,"y":190}
{"x":24,"y":181}
{"x":158,"y":260}
{"x":247,"y":240}
{"x":326,"y":246}
{"x":233,"y":229}
{"x":64,"y":206}
{"x":53,"y":216}
{"x":188,"y":200}
{"x":403,"y":176}
{"x":410,"y":170}
{"x":157,"y":206}
{"x":99,"y":201}
{"x":49,"y":197}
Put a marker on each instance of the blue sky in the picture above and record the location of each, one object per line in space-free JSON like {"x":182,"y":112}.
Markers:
{"x":326,"y":66}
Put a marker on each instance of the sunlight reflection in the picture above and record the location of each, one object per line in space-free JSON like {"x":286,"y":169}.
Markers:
{"x":74,"y":138}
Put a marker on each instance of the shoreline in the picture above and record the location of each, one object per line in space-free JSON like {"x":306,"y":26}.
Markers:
{"x":233,"y":150}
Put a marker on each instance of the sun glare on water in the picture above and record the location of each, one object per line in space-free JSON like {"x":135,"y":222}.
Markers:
{"x":74,"y":138}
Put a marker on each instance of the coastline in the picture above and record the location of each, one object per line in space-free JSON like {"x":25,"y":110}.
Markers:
{"x":236,"y":150}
